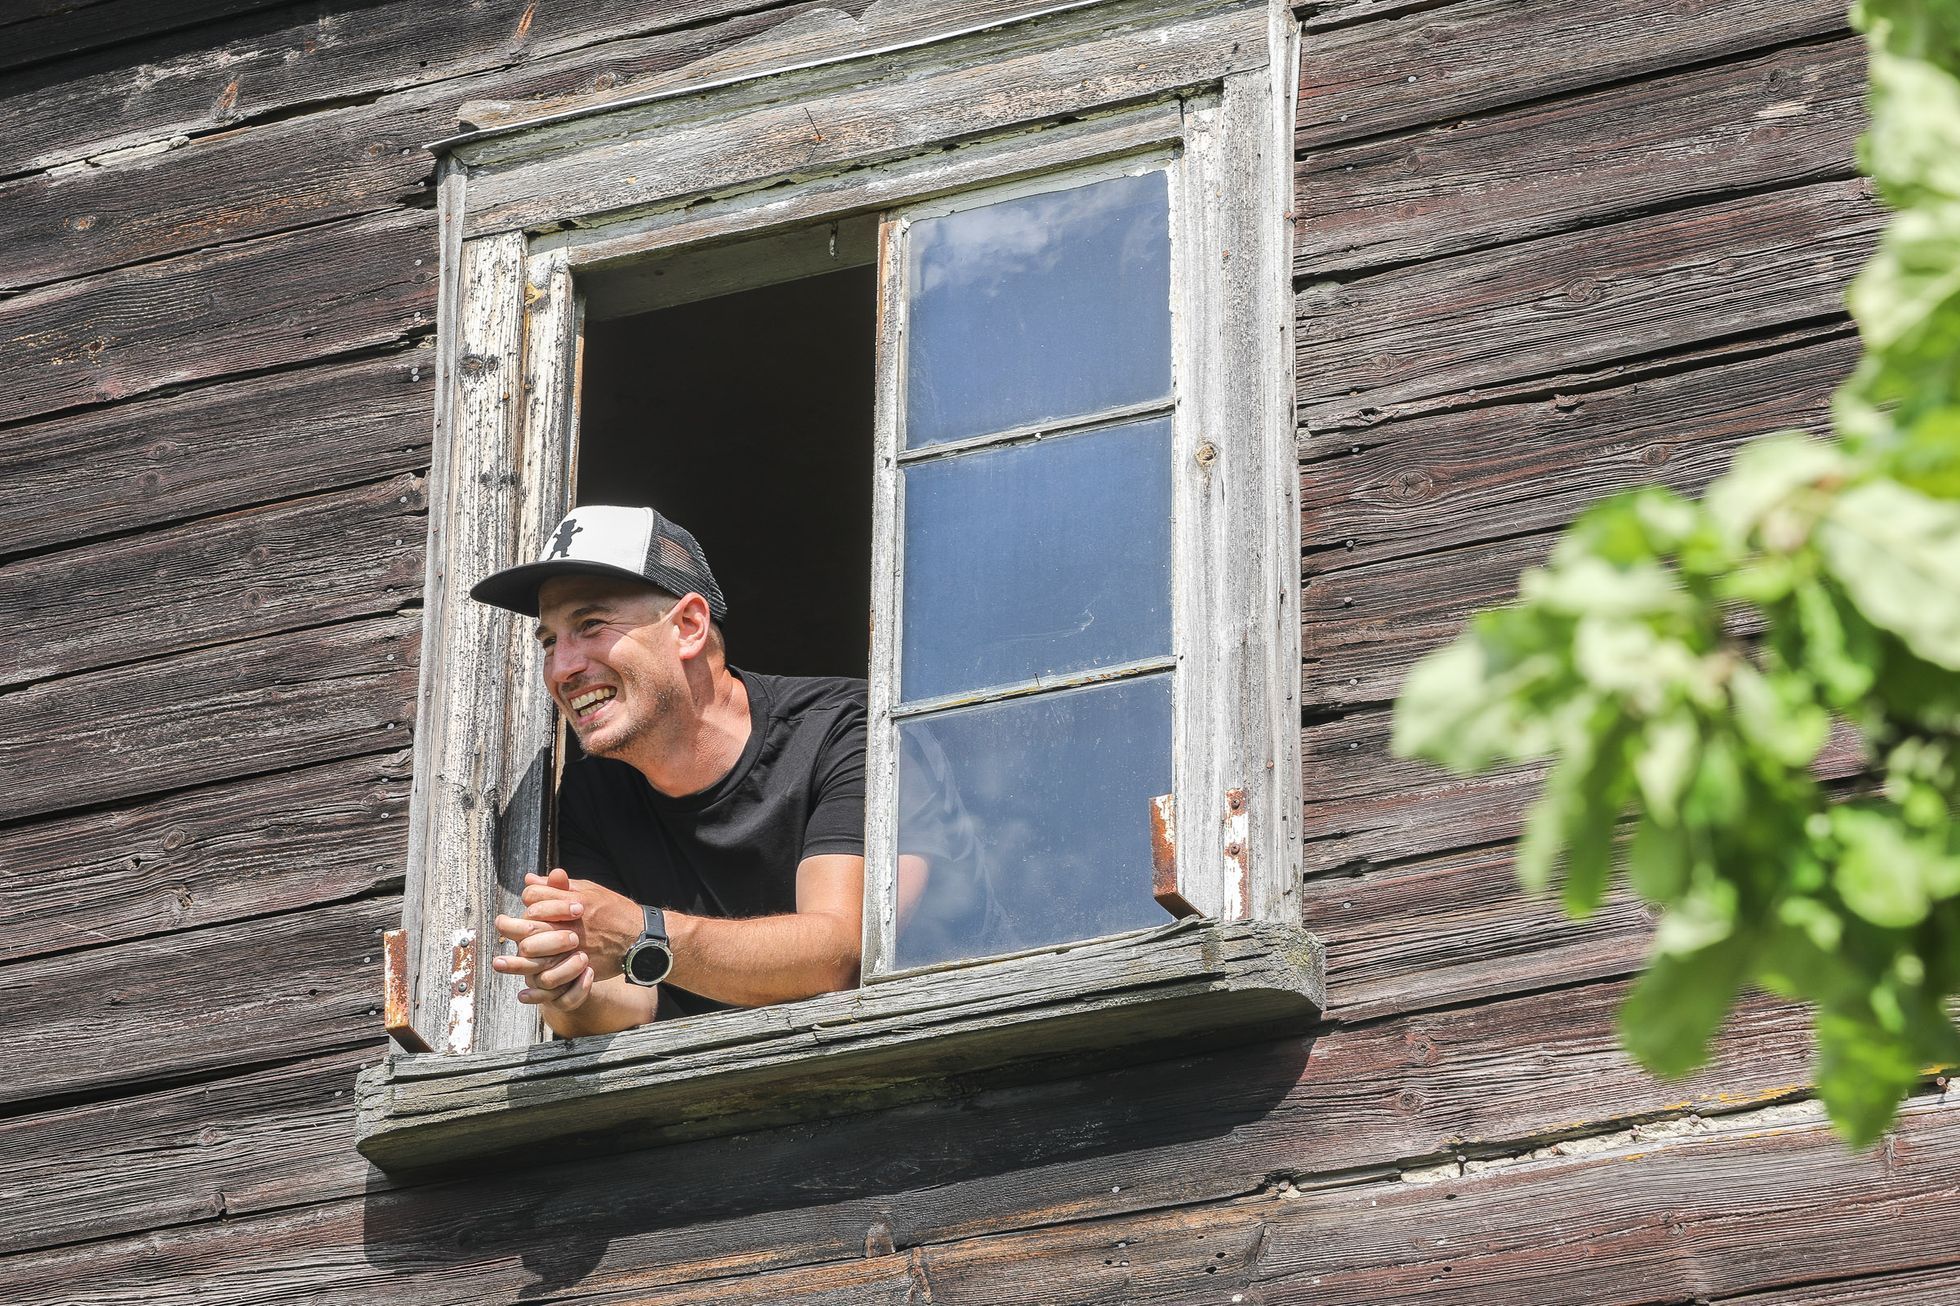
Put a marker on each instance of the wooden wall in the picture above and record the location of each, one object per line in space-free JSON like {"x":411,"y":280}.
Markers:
{"x":1545,"y":251}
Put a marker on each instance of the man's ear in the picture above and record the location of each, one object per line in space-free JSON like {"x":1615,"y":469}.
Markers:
{"x":692,"y":626}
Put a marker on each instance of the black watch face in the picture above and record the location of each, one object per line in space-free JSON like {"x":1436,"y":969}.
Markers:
{"x":650,"y":965}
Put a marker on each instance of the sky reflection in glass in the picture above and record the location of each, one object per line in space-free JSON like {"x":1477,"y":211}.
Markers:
{"x":1043,"y":307}
{"x":1052,"y":795}
{"x":1037,"y":560}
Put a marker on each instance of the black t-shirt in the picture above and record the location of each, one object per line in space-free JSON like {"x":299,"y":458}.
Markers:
{"x":731,"y":850}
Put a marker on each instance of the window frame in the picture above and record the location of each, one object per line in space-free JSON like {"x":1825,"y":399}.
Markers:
{"x":531,"y":206}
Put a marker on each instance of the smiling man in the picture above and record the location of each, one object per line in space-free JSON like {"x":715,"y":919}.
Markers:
{"x":711,"y":838}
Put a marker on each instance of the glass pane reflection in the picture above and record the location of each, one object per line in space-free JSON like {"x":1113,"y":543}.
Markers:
{"x":1037,"y":560}
{"x":1048,"y":306}
{"x":1032,"y":819}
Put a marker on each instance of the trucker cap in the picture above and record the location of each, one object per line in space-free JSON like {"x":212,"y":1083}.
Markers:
{"x":602,"y":540}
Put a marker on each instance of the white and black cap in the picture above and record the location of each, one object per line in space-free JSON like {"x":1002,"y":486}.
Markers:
{"x":601,"y":540}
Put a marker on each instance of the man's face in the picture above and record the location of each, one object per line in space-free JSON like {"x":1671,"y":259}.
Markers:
{"x":610,"y":660}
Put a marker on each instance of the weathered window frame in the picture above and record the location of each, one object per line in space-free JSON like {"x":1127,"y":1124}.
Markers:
{"x":533,"y":206}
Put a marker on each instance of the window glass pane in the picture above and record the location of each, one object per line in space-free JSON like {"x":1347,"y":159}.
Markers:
{"x":1037,"y":559}
{"x":1032,"y":817}
{"x":1043,"y":307}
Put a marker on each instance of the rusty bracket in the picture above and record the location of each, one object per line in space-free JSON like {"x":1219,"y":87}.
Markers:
{"x":462,"y":993}
{"x":1163,"y":858}
{"x":1238,"y":845}
{"x":394,"y":993}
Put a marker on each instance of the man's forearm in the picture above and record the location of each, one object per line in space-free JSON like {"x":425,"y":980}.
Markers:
{"x":764,"y":959}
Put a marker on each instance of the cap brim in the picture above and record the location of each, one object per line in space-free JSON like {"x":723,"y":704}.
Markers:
{"x":515,"y":589}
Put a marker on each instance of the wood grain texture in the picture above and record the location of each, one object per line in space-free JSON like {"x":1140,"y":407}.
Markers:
{"x":260,"y":178}
{"x":63,"y":30}
{"x":1449,"y":60}
{"x":213,"y":449}
{"x":1455,"y":928}
{"x":661,"y":154}
{"x":234,"y":995}
{"x":273,"y":844}
{"x":331,"y":557}
{"x":892,"y":1041}
{"x":1445,"y":480}
{"x":1666,"y":1221}
{"x":342,"y":287}
{"x":1444,"y":511}
{"x":1787,"y":117}
{"x":222,"y":1150}
{"x":1581,"y":299}
{"x":1912,"y":1289}
{"x":237,"y":72}
{"x":1365,"y":807}
{"x":1105,"y":1146}
{"x":236,"y":710}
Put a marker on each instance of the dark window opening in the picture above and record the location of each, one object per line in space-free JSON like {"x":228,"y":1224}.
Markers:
{"x":747,"y":418}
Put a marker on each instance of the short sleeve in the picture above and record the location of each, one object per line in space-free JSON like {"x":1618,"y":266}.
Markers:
{"x":836,"y":823}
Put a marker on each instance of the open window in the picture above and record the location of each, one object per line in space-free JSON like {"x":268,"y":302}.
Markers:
{"x":987,"y":327}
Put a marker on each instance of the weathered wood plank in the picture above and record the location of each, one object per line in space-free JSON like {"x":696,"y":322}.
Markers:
{"x":1675,"y":1219}
{"x":1483,"y":1082}
{"x":68,"y":29}
{"x":350,"y":553}
{"x":245,"y":993}
{"x":1363,"y":628}
{"x":1457,"y":928}
{"x":222,"y":1150}
{"x":274,"y":844}
{"x":1445,"y":480}
{"x":892,"y":1041}
{"x":1364,"y":806}
{"x":744,"y":136}
{"x":1913,"y":1289}
{"x":1451,"y":60}
{"x":1444,"y":511}
{"x":1786,"y":117}
{"x":215,"y":448}
{"x":342,"y":287}
{"x":336,"y":163}
{"x":238,"y":710}
{"x":1581,"y":299}
{"x":240,"y":71}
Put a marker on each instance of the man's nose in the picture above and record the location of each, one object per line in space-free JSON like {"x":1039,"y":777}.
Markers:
{"x":562,"y":664}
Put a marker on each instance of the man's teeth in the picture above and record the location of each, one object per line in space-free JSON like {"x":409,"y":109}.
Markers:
{"x":591,"y":696}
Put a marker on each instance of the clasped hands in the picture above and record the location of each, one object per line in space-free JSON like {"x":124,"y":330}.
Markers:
{"x":572,"y":934}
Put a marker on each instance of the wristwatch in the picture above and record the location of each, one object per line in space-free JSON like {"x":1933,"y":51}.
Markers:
{"x":647,"y":962}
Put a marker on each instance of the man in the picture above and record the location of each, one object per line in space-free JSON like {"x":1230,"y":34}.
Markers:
{"x":712,"y":837}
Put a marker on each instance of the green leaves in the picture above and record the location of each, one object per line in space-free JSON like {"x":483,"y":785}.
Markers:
{"x":1622,"y":663}
{"x":1897,"y":555}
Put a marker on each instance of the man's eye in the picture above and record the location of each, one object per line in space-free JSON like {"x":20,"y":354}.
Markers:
{"x":589,"y":625}
{"x":547,"y":643}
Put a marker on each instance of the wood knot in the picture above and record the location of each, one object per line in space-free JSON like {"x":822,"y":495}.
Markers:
{"x":1412,"y":486}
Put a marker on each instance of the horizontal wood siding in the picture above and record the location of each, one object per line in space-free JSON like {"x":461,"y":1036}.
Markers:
{"x":1542,"y":252}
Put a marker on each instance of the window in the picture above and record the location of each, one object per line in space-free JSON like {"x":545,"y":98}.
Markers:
{"x":1083,"y":542}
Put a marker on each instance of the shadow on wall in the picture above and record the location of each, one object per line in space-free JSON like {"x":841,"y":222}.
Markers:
{"x":1005,"y":1155}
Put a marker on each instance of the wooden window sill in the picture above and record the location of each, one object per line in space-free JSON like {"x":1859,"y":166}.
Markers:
{"x":1136,"y":997}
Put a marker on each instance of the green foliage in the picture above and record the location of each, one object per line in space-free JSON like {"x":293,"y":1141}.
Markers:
{"x":1685,"y":666}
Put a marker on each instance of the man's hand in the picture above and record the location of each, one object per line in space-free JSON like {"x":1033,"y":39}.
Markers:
{"x":569,"y":929}
{"x":579,"y":916}
{"x":549,"y":952}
